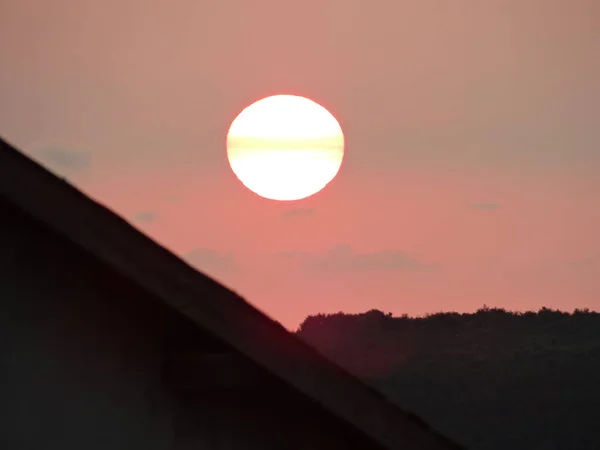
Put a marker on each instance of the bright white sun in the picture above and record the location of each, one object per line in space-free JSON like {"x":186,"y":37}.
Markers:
{"x":285,"y":147}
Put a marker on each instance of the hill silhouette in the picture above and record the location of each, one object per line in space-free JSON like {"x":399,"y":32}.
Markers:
{"x":493,"y":379}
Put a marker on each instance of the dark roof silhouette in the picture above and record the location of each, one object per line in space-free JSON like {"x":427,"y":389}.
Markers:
{"x":62,"y":208}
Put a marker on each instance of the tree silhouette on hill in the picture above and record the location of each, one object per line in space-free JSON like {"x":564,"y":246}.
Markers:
{"x":491,"y":379}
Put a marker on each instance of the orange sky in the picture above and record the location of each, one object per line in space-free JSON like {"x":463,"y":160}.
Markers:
{"x":472,"y":141}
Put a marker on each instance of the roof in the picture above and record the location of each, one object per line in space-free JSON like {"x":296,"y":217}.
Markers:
{"x":109,"y":238}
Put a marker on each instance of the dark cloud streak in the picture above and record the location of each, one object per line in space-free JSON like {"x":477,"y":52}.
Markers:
{"x":299,"y":212}
{"x":484,"y":206}
{"x":208,"y":259}
{"x":343,"y":259}
{"x":145,"y":217}
{"x":66,"y":159}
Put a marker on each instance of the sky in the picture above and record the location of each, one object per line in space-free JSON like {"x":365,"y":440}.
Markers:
{"x":472,"y":131}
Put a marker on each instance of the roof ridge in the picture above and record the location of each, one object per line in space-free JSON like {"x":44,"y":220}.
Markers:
{"x":223,"y":312}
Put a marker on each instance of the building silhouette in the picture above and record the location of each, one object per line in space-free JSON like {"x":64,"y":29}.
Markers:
{"x":109,"y":341}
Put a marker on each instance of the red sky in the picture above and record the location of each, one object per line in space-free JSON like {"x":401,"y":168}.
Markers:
{"x":472,"y":158}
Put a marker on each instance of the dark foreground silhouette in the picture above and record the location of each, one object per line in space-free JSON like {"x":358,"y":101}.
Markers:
{"x":489,"y":380}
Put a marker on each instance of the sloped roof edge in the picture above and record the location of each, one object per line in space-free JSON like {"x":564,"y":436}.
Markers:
{"x":115,"y":242}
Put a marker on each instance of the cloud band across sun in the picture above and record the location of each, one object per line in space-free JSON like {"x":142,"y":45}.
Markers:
{"x":285,"y":147}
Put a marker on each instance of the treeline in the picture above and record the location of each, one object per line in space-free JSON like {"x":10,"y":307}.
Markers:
{"x":493,"y":379}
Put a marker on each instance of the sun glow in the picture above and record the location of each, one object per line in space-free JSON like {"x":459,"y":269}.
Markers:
{"x":285,"y":147}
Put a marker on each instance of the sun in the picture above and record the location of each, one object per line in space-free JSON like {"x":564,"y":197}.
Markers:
{"x":285,"y":147}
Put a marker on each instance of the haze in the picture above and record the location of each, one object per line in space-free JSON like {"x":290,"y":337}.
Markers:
{"x":472,"y":141}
